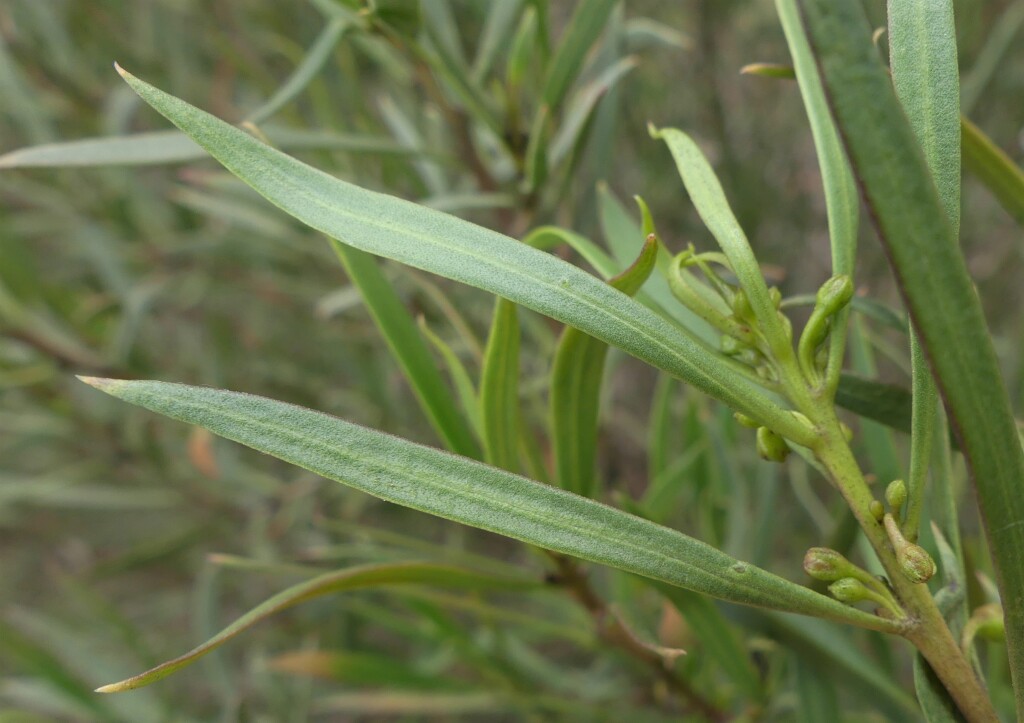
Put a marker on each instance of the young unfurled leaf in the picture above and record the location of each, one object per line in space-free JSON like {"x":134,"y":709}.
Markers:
{"x":576,"y":387}
{"x":499,"y":388}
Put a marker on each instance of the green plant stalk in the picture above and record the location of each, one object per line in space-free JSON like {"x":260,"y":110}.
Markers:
{"x":924,"y":627}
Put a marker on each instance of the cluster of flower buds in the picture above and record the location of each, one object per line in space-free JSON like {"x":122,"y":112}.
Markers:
{"x":725,"y":306}
{"x":849,"y":583}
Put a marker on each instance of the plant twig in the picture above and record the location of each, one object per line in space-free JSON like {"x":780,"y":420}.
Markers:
{"x":613,"y":632}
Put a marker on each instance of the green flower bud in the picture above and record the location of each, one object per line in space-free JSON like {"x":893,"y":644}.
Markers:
{"x":771,"y":446}
{"x":741,"y":307}
{"x":850,"y":590}
{"x":834,"y":294}
{"x":847,"y":432}
{"x":914,"y":561}
{"x":877,"y":509}
{"x":827,"y":565}
{"x":776,"y":296}
{"x":896,"y":495}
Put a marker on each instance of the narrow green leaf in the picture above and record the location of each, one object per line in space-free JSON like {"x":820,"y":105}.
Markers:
{"x":923,"y":65}
{"x":841,"y":201}
{"x":713,"y":208}
{"x":499,"y":388}
{"x":460,"y":378}
{"x":464,"y":252}
{"x":719,"y":637}
{"x":476,"y":494}
{"x":407,"y":347}
{"x":450,"y":60}
{"x":923,"y":250}
{"x":881,"y":402}
{"x":141,"y":149}
{"x":990,"y":165}
{"x":584,"y":27}
{"x":581,"y":109}
{"x":989,"y":60}
{"x":936,"y":704}
{"x":535,"y":170}
{"x":312,"y":62}
{"x":499,"y":27}
{"x":833,"y":649}
{"x":354,"y":578}
{"x":818,"y":698}
{"x":576,"y":376}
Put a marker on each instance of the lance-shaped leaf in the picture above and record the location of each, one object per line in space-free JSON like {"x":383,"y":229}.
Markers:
{"x":935,"y":285}
{"x":576,"y":377}
{"x":840,"y":191}
{"x":709,"y":199}
{"x":354,"y":578}
{"x":462,"y":251}
{"x":476,"y":494}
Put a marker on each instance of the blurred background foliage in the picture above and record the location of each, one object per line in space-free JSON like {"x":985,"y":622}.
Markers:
{"x":110,"y":516}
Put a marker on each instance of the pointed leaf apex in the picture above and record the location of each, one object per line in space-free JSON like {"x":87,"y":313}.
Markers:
{"x":104,"y":385}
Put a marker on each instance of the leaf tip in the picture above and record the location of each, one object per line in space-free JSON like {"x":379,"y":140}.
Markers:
{"x":111,"y":688}
{"x":104,"y":385}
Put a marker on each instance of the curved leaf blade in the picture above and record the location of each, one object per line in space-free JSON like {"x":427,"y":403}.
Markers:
{"x":354,"y":578}
{"x":478,"y":495}
{"x":576,"y":376}
{"x":499,"y":388}
{"x":459,"y":250}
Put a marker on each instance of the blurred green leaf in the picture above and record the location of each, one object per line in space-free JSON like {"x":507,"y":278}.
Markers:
{"x":994,"y":168}
{"x":499,"y":27}
{"x":314,"y":60}
{"x":719,"y":637}
{"x":162,"y":147}
{"x":818,"y":698}
{"x":582,"y":30}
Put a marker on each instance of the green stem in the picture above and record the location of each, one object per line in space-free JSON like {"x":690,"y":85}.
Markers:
{"x":925,"y":628}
